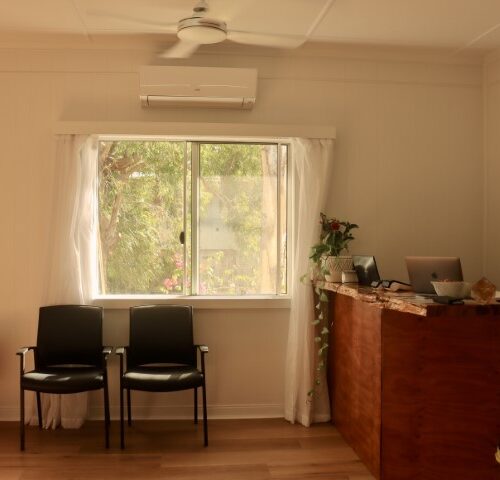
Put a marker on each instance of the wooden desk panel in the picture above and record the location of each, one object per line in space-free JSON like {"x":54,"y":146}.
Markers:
{"x":355,"y":372}
{"x":440,"y":396}
{"x":417,"y":397}
{"x":401,"y":395}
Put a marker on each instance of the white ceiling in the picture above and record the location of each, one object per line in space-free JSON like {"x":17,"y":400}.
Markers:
{"x":454,"y":24}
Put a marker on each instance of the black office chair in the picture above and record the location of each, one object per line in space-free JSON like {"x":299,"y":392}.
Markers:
{"x":161,"y":357}
{"x":69,"y":357}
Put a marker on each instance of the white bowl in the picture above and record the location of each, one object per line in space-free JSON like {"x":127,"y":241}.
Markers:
{"x":452,"y":289}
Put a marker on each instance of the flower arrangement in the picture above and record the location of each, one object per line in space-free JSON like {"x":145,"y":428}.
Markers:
{"x":334,"y":238}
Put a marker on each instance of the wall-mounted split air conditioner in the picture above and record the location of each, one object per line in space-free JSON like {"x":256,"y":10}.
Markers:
{"x":198,"y":87}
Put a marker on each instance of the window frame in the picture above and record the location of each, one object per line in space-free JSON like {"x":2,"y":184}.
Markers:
{"x":276,"y":300}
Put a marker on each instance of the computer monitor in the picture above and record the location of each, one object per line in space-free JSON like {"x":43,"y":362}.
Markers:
{"x":424,"y":270}
{"x":366,"y":269}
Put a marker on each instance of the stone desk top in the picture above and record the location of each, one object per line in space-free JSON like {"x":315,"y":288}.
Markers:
{"x":409,"y":302}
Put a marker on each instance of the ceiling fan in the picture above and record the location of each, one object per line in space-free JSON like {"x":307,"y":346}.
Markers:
{"x":199,"y":29}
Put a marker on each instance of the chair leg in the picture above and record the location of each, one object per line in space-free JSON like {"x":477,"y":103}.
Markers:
{"x":129,"y":408}
{"x":21,"y":420}
{"x":205,"y":423}
{"x":39,"y":409}
{"x":195,"y":405}
{"x":122,"y":432}
{"x":107,"y":421}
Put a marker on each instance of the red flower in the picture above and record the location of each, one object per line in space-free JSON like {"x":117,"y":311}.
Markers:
{"x":335,"y":225}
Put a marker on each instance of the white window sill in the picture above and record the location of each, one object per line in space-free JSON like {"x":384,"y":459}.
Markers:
{"x":205,"y":302}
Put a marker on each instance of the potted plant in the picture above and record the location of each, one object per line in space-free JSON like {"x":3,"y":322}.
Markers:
{"x":334,"y":239}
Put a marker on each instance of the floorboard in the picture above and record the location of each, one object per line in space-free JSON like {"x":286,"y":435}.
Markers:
{"x":258,"y":449}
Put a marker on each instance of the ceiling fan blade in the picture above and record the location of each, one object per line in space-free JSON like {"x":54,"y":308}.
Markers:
{"x":266,"y":40}
{"x":131,"y":19}
{"x":181,"y":49}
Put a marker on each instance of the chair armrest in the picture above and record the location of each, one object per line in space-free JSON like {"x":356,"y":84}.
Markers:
{"x":106,"y":352}
{"x":202,"y":348}
{"x":24,"y":350}
{"x":22,"y":354}
{"x":120,"y":351}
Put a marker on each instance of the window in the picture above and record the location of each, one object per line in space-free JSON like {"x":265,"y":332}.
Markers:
{"x":190,"y":217}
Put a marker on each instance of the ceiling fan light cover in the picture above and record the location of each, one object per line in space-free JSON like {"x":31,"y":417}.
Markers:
{"x":202,"y":33}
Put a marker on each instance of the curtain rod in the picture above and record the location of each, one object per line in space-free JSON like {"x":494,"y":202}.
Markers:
{"x":195,"y":128}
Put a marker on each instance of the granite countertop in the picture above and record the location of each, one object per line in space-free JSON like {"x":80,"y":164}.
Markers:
{"x":409,"y":302}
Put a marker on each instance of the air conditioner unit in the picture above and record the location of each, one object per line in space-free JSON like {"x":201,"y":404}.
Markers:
{"x":198,"y":87}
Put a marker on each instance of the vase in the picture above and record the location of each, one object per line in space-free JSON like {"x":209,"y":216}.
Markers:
{"x":337,"y":265}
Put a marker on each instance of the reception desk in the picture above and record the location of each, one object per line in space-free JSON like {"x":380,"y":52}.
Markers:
{"x":415,"y":386}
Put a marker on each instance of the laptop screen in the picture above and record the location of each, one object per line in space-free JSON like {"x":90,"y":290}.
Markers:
{"x":424,"y":270}
{"x":366,"y":269}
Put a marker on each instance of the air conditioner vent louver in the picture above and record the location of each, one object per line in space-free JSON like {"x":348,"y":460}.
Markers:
{"x":198,"y":87}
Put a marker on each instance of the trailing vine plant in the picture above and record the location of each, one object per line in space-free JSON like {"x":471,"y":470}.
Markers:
{"x":321,"y":329}
{"x":321,"y":335}
{"x":335,"y":236}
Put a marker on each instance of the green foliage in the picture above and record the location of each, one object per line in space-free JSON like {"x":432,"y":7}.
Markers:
{"x":231,"y":175}
{"x":140,"y":215}
{"x":141,"y":208}
{"x":322,"y":330}
{"x":334,"y":238}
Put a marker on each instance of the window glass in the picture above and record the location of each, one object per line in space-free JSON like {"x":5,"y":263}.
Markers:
{"x":283,"y":216}
{"x":238,"y":219}
{"x":187,"y":217}
{"x":141,"y":217}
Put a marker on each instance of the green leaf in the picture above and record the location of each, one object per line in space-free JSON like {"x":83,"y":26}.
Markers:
{"x":325,"y":331}
{"x":315,"y":322}
{"x":323,"y":349}
{"x":317,"y":339}
{"x":323,"y":297}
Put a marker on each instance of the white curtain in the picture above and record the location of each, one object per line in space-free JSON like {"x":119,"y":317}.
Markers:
{"x":311,"y":166}
{"x":71,"y":257}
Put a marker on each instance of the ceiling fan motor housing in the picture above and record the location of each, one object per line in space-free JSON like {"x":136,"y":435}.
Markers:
{"x":203,"y":31}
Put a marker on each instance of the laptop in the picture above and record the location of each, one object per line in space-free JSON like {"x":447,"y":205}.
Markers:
{"x":366,"y":269}
{"x":424,"y":270}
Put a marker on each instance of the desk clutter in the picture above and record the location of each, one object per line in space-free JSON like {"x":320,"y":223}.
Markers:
{"x":438,"y":278}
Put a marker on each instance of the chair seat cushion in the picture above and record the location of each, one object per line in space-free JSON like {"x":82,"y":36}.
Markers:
{"x":63,"y":379}
{"x":162,"y":379}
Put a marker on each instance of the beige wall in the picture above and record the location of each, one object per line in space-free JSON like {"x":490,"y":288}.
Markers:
{"x":492,"y":167}
{"x":408,"y":169}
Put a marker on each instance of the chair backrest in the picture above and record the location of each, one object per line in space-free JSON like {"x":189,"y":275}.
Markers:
{"x":69,"y":334}
{"x":161,"y":334}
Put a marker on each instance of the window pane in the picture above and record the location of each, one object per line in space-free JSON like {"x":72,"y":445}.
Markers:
{"x":189,"y":173}
{"x":141,"y":208}
{"x":283,"y":196}
{"x":238,"y":219}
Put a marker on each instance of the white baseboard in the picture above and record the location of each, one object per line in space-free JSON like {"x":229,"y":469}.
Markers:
{"x":172,"y":412}
{"x":183,"y":412}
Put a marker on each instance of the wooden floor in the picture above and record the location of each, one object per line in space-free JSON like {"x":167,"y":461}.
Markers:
{"x":260,"y":449}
